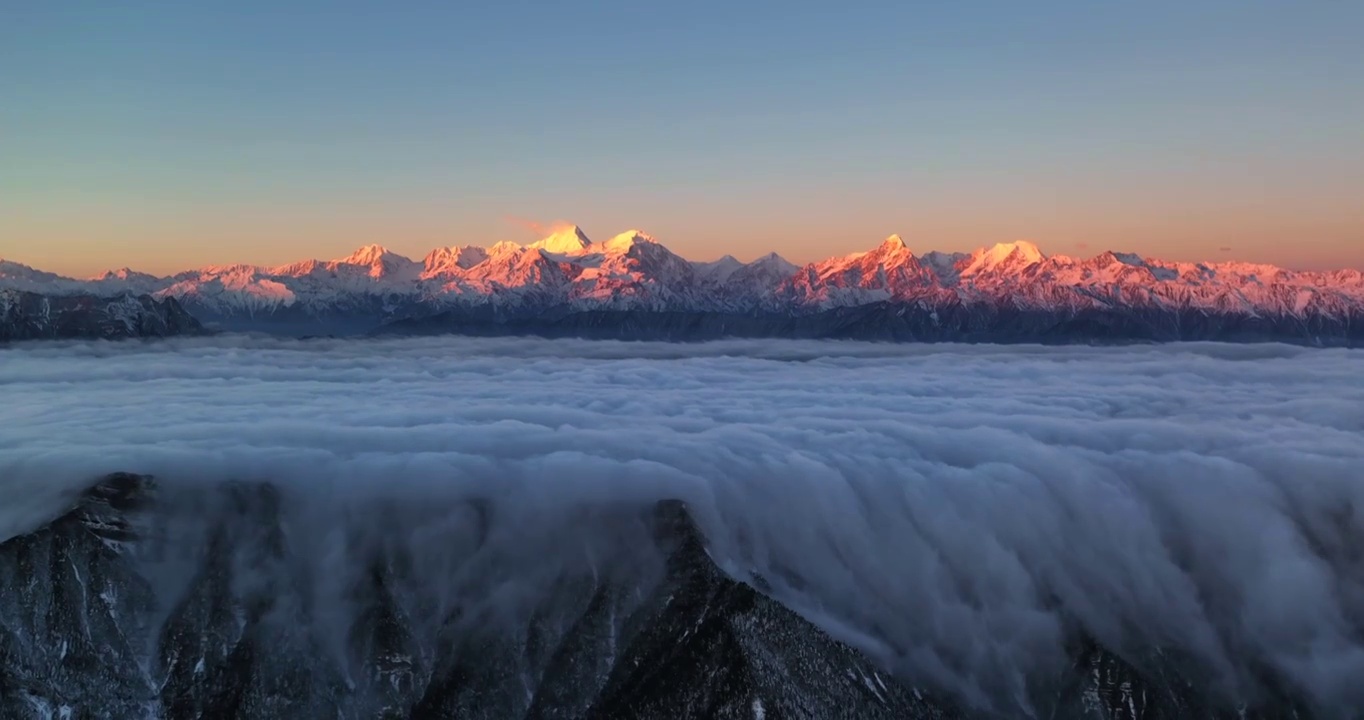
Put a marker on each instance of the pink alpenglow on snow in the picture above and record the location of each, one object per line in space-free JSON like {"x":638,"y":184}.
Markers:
{"x":633,"y":270}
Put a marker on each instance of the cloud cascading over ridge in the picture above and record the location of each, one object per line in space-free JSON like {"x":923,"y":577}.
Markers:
{"x":955,"y":510}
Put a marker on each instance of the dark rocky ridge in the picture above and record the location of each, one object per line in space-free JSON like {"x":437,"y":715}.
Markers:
{"x":28,"y":316}
{"x":31,"y":316}
{"x":900,"y":322}
{"x":108,"y":612}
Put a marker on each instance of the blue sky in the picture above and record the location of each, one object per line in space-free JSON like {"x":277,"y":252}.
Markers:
{"x":164,"y":135}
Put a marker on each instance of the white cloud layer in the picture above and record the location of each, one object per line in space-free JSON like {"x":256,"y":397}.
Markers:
{"x":948,"y":507}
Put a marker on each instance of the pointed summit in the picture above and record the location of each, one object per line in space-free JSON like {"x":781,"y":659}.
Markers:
{"x":718,"y":270}
{"x":889,"y":271}
{"x":893,"y":251}
{"x":894,"y":242}
{"x":769,"y":269}
{"x":564,"y":241}
{"x":774,"y":263}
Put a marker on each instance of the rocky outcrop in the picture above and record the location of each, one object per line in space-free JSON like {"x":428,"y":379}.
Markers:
{"x":205,"y":603}
{"x":31,"y":316}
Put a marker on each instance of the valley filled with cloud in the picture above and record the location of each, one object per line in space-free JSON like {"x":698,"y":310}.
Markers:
{"x":957,"y":512}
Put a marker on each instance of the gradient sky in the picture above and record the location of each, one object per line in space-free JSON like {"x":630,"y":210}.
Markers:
{"x":166,"y":135}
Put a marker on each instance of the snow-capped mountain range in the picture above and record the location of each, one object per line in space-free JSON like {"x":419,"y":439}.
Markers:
{"x":567,"y":273}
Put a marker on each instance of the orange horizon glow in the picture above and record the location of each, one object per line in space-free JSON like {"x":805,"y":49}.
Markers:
{"x":171,"y":137}
{"x":162,"y":253}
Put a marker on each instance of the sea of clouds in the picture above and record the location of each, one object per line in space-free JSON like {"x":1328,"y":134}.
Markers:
{"x":954,"y":510}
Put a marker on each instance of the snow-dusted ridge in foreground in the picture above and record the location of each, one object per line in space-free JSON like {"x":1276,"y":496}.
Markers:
{"x":632,"y":272}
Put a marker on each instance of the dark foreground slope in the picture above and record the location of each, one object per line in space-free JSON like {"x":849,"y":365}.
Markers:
{"x":122,"y":608}
{"x":31,"y":316}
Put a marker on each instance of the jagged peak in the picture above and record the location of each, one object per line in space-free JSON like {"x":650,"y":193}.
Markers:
{"x":302,"y":267}
{"x":1010,"y":256}
{"x":380,"y":261}
{"x":1108,"y":257}
{"x":504,"y":247}
{"x":720,"y":269}
{"x":568,"y":240}
{"x":1249,"y":268}
{"x":122,"y":273}
{"x":469,"y":256}
{"x":233,"y":269}
{"x":368,"y":255}
{"x":892,"y":248}
{"x":440,"y":252}
{"x":775,"y":262}
{"x":1021,"y":249}
{"x":1026,"y":249}
{"x":894,"y":242}
{"x":626,"y":240}
{"x":464,"y":256}
{"x":892,"y":251}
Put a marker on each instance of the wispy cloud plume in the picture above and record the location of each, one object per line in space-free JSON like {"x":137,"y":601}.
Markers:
{"x":536,"y":228}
